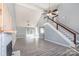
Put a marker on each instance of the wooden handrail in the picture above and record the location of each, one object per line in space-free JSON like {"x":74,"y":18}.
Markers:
{"x":66,"y":28}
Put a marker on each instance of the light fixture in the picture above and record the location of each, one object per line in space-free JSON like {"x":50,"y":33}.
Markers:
{"x":51,"y":12}
{"x":28,"y":24}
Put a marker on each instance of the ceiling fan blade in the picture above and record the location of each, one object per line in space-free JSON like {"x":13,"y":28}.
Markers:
{"x":55,"y":10}
{"x":44,"y":13}
{"x":53,"y":13}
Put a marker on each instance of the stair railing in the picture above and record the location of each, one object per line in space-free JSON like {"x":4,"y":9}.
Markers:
{"x":66,"y":28}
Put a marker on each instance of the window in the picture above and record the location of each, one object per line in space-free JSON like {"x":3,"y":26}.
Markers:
{"x":41,"y":30}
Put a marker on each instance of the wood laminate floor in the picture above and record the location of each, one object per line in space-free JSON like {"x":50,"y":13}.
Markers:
{"x":40,"y":47}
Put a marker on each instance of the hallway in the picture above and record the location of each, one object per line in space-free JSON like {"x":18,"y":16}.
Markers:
{"x":40,"y":48}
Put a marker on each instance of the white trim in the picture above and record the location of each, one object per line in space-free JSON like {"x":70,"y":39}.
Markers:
{"x":58,"y":43}
{"x":74,"y":50}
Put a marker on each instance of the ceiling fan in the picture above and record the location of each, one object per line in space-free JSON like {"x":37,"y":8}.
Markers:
{"x":47,"y":11}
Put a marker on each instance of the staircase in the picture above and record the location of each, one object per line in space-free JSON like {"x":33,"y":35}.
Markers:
{"x":67,"y":34}
{"x":66,"y":31}
{"x":72,"y":35}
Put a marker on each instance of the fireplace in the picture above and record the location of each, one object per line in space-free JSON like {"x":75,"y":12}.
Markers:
{"x":9,"y":49}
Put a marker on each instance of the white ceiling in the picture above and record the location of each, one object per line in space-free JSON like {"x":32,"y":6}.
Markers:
{"x":25,"y":15}
{"x":30,"y":12}
{"x":45,"y":5}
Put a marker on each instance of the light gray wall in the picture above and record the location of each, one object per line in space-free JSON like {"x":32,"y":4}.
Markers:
{"x":69,"y":15}
{"x":53,"y":36}
{"x":21,"y":32}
